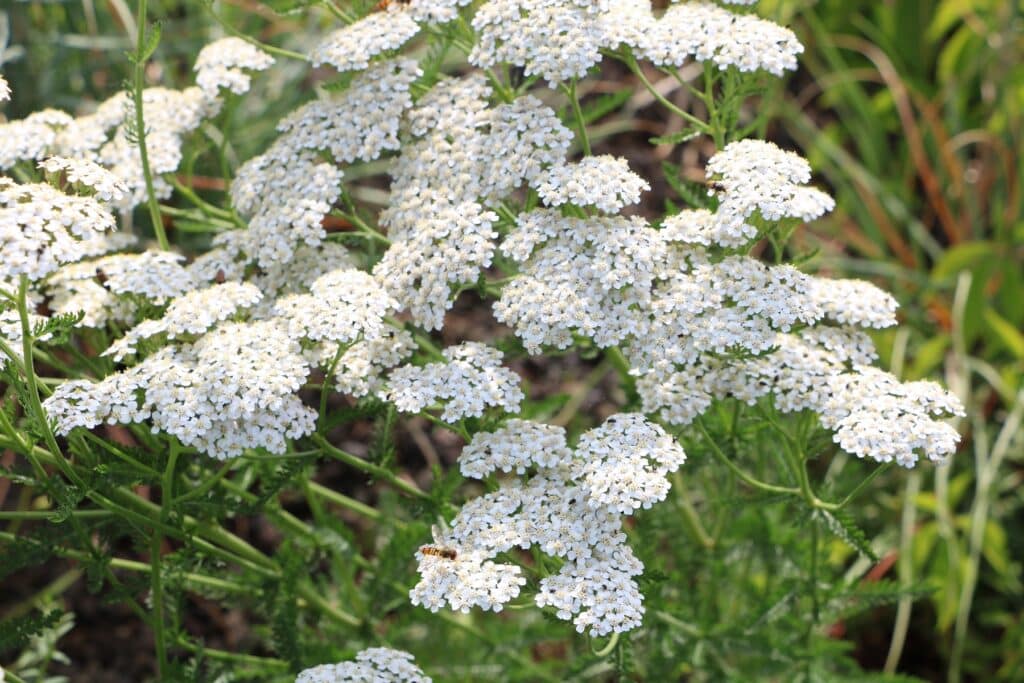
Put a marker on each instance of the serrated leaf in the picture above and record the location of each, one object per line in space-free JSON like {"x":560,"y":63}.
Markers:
{"x":16,"y":632}
{"x":152,"y":41}
{"x":840,"y":523}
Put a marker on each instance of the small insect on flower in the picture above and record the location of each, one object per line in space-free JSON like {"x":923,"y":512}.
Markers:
{"x":715,"y":186}
{"x":439,"y":551}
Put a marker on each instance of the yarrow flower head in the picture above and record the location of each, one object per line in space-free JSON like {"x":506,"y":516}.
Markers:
{"x":352,"y":47}
{"x":604,"y":182}
{"x":42,"y":228}
{"x":373,"y":665}
{"x":751,"y":176}
{"x":342,"y":306}
{"x":588,"y":276}
{"x":570,"y":507}
{"x":470,"y":380}
{"x":222,"y":64}
{"x":232,"y":389}
{"x":31,"y":138}
{"x":706,"y":32}
{"x":105,"y":185}
{"x":190,"y":314}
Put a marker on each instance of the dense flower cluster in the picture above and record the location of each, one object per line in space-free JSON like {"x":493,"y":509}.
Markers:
{"x":750,"y":177}
{"x":42,"y":228}
{"x":470,"y":380}
{"x":286,"y":192}
{"x":222,"y":65}
{"x":373,"y":665}
{"x":570,"y":507}
{"x":84,"y":173}
{"x":191,"y":314}
{"x":562,"y":39}
{"x":587,"y":276}
{"x":466,"y":155}
{"x":352,"y":47}
{"x":232,"y":389}
{"x":217,"y":350}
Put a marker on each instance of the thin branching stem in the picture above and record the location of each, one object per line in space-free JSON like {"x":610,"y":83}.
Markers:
{"x":373,"y":470}
{"x":138,"y":88}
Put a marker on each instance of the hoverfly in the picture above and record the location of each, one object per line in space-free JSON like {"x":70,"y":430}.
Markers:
{"x":439,"y":548}
{"x":439,"y":551}
{"x":715,"y":186}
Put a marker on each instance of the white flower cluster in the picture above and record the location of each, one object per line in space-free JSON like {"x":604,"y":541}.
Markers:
{"x":155,"y":275}
{"x":352,"y":47}
{"x":220,"y":65}
{"x":428,"y":257}
{"x":105,"y":185}
{"x":434,"y":11}
{"x":373,"y":665}
{"x":170,"y":115}
{"x":190,"y":314}
{"x":563,"y":39}
{"x":467,"y":155}
{"x":471,"y":379}
{"x":285,"y":194}
{"x":570,"y":507}
{"x":342,"y":306}
{"x":854,"y":302}
{"x":106,"y":137}
{"x":360,"y":369}
{"x":5,"y":94}
{"x":604,"y":182}
{"x":287,"y":191}
{"x":111,"y":288}
{"x":233,"y":389}
{"x":584,"y":275}
{"x":706,"y":32}
{"x":751,"y":176}
{"x":874,"y":415}
{"x":42,"y":228}
{"x":30,"y":138}
{"x":557,"y":39}
{"x":822,"y":369}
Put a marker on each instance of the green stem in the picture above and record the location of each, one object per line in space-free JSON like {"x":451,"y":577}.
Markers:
{"x":156,"y":559}
{"x":743,"y":476}
{"x":369,"y":468}
{"x":309,"y":593}
{"x":205,"y":487}
{"x":140,"y":125}
{"x":633,"y":66}
{"x":279,"y":51}
{"x":581,"y":124}
{"x":690,"y":518}
{"x":815,"y":606}
{"x":325,"y":388}
{"x":364,"y":228}
{"x":200,"y":203}
{"x":863,"y":484}
{"x":49,"y":514}
{"x":344,"y":501}
{"x":234,"y":657}
{"x":607,"y":649}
